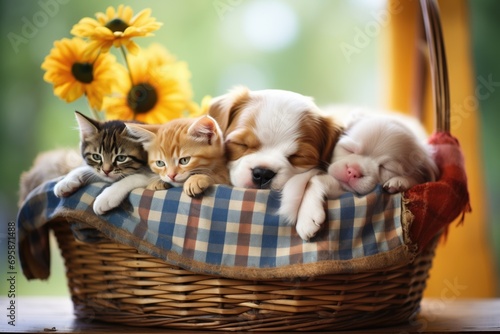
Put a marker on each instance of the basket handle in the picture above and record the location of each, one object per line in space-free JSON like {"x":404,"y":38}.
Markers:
{"x":438,"y":67}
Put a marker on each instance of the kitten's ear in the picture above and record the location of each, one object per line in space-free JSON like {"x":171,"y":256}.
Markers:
{"x":205,"y":129}
{"x":86,"y":125}
{"x":145,"y":134}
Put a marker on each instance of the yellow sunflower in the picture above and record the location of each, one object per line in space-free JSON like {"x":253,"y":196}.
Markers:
{"x":154,"y":91}
{"x":116,"y":28}
{"x":158,"y":56}
{"x":74,"y":72}
{"x":196,"y":110}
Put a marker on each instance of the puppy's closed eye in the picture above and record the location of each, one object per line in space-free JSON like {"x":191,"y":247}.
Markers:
{"x":235,"y":150}
{"x":306,"y":158}
{"x":349,"y":145}
{"x":239,"y":143}
{"x":394,"y":167}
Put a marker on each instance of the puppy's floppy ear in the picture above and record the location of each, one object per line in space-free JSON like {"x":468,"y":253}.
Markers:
{"x":330,"y":131}
{"x":224,"y":108}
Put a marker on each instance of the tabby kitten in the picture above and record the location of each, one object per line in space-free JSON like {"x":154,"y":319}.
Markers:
{"x":184,"y":152}
{"x":111,"y":155}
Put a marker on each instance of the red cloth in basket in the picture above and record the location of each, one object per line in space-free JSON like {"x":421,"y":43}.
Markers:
{"x":435,"y":205}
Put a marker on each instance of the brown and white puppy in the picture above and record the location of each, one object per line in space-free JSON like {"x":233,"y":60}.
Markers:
{"x":272,"y":135}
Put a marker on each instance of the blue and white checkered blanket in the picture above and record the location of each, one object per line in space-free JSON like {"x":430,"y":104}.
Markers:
{"x":228,"y":231}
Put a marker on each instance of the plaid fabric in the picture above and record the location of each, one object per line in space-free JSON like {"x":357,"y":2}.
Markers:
{"x":227,"y":227}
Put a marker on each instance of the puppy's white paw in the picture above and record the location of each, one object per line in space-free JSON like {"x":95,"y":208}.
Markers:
{"x":289,"y":208}
{"x":292,"y":195}
{"x":307,"y":227}
{"x":397,"y":184}
{"x":311,"y":215}
{"x":67,"y":186}
{"x":107,"y":201}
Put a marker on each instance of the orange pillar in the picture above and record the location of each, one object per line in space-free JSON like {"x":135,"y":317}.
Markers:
{"x":463,"y":266}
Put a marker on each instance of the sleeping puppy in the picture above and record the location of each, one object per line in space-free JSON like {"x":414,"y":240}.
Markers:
{"x":374,"y":150}
{"x":272,"y":135}
{"x":381,"y":150}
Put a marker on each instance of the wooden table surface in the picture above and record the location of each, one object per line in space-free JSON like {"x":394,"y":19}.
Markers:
{"x":55,"y":315}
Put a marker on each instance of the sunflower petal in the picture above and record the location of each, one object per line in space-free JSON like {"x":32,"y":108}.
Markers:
{"x":142,"y":18}
{"x":111,"y":13}
{"x":132,"y":47}
{"x":102,"y":18}
{"x":95,"y":98}
{"x":127,"y":14}
{"x":69,"y":91}
{"x":84,"y":27}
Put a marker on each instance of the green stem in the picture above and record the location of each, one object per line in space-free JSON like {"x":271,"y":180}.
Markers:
{"x":129,"y":73}
{"x":97,"y":56}
{"x":95,"y":113}
{"x":128,"y":65}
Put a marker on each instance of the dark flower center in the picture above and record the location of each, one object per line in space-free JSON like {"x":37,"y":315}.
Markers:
{"x":116,"y":25}
{"x":142,"y":98}
{"x":83,"y":72}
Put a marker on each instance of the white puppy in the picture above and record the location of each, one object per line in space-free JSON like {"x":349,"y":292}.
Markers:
{"x":374,"y":150}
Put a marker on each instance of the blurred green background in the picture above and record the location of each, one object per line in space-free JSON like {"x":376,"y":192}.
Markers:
{"x":293,"y":45}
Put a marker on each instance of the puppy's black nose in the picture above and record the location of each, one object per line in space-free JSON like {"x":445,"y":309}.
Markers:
{"x":262,"y":177}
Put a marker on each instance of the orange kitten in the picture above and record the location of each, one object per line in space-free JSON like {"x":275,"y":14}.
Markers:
{"x":184,"y":152}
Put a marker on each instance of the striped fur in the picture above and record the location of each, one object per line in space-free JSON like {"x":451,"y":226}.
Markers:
{"x":185,"y":152}
{"x":110,"y":150}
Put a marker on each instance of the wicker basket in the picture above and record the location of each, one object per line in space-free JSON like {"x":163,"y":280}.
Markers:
{"x":116,"y":283}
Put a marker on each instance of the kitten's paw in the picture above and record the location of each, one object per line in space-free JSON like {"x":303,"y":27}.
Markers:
{"x":158,"y":185}
{"x":397,"y":184}
{"x":196,"y":184}
{"x":106,"y":201}
{"x":67,"y":186}
{"x":311,"y":216}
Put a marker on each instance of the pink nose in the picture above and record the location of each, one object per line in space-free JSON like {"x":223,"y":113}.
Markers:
{"x":172,"y":176}
{"x":353,"y":173}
